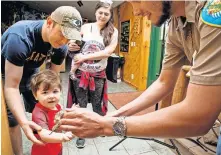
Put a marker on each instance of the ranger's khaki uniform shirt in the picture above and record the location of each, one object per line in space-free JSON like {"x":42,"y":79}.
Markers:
{"x":194,"y":36}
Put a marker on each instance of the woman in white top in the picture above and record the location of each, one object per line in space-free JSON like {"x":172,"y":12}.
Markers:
{"x":90,"y":85}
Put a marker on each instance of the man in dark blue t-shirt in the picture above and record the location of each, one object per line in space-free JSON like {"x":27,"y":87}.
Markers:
{"x":25,"y":47}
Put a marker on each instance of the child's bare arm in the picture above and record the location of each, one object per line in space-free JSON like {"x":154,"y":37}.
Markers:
{"x":54,"y":137}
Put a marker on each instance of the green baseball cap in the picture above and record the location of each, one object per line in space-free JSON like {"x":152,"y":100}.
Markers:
{"x":70,"y":21}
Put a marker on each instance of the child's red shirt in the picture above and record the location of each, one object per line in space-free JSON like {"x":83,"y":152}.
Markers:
{"x":45,"y":118}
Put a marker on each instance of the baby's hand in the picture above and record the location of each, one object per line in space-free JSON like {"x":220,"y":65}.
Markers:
{"x":79,"y":58}
{"x":67,"y":136}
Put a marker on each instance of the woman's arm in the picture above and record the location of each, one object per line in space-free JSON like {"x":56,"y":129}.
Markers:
{"x":162,"y":87}
{"x":103,"y":53}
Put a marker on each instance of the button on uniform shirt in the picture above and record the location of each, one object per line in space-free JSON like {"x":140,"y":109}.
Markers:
{"x":192,"y":35}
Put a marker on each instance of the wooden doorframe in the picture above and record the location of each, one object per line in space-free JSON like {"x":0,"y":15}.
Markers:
{"x":6,"y":146}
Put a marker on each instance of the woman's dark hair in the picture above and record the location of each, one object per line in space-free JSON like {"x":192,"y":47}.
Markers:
{"x":108,"y":29}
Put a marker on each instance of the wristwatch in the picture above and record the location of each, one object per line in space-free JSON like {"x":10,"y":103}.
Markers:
{"x":120,"y":127}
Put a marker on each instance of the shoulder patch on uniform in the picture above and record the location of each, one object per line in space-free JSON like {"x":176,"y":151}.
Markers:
{"x":211,"y":13}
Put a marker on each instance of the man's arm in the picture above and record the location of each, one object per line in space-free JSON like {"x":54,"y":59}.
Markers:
{"x":162,"y":87}
{"x":13,"y":75}
{"x":196,"y":114}
{"x":193,"y":116}
{"x":56,"y":68}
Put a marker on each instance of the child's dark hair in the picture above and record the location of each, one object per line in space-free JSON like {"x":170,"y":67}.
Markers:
{"x":47,"y":77}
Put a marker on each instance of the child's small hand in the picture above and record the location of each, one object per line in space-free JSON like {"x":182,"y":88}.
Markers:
{"x":67,"y":136}
{"x":75,"y":105}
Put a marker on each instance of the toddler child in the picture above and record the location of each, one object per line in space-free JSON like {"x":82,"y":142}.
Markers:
{"x":46,"y":87}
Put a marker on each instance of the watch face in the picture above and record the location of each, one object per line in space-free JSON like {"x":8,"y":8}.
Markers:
{"x":118,"y":128}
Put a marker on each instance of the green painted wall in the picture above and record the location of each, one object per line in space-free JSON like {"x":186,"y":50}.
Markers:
{"x":155,"y":55}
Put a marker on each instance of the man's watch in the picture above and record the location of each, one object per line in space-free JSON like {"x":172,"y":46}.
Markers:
{"x":120,"y":127}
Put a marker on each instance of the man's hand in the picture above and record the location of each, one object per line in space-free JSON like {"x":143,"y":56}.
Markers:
{"x":82,"y":123}
{"x":28,"y":130}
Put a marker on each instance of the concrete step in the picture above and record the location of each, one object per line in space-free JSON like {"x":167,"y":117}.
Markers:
{"x":187,"y":147}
